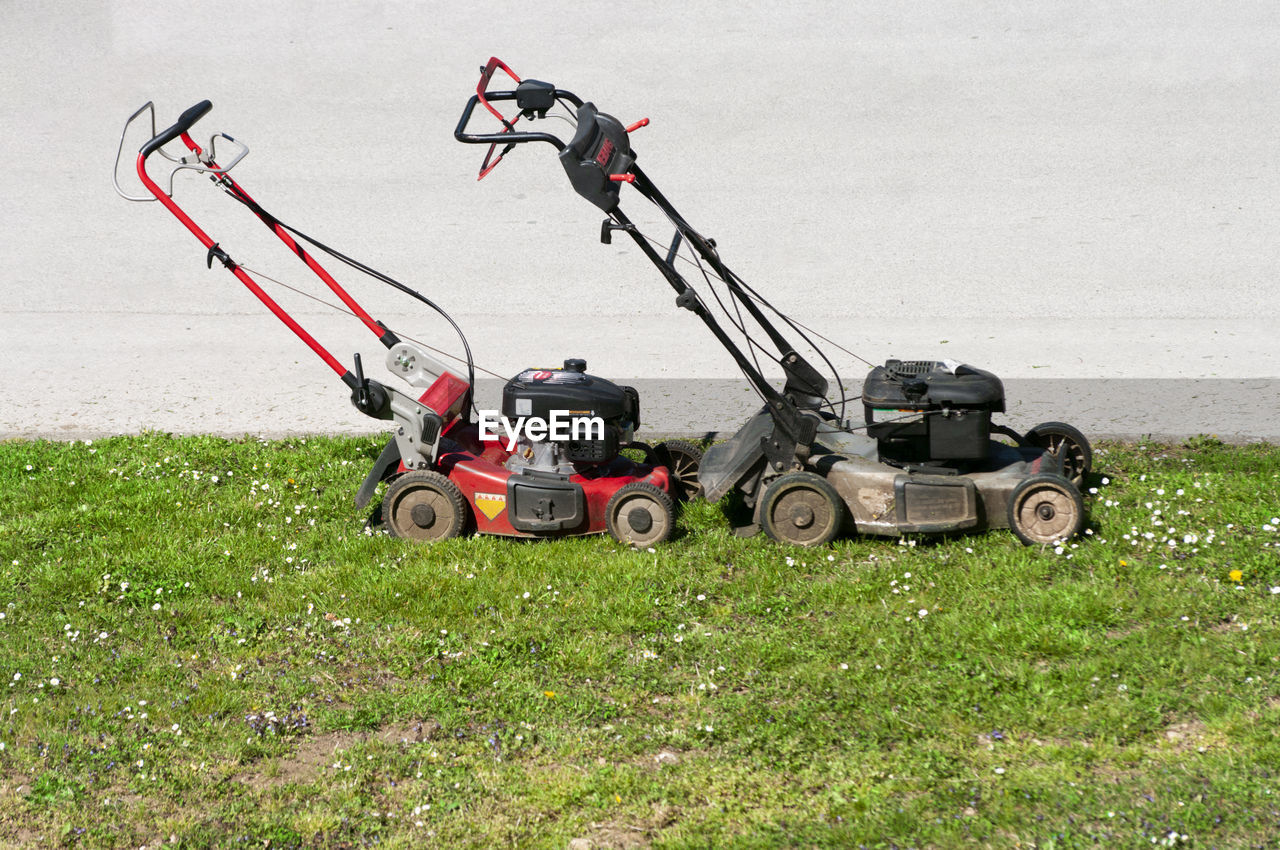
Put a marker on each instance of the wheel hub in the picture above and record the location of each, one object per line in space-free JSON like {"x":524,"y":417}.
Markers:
{"x":802,"y":516}
{"x":423,"y":516}
{"x":1045,"y":511}
{"x":640,"y":520}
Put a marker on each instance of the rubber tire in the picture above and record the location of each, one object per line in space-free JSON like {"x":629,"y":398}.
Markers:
{"x":424,"y":487}
{"x":1053,"y":437}
{"x":682,"y":459}
{"x":798,"y":490}
{"x":640,"y":494}
{"x":1051,"y":493}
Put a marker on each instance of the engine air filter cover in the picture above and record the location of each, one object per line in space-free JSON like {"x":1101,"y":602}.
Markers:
{"x":945,"y":384}
{"x":928,"y":410}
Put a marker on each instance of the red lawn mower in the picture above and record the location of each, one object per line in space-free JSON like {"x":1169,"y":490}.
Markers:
{"x":921,"y":460}
{"x":447,"y":474}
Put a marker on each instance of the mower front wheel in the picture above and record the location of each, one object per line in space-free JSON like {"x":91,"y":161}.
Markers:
{"x":801,"y":508}
{"x":1045,"y":509}
{"x":640,"y":514}
{"x":424,"y":506}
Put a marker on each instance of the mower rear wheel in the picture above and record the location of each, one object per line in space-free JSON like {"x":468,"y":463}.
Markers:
{"x":1062,"y":441}
{"x":801,"y":508}
{"x":1045,"y":509}
{"x":424,"y":506}
{"x":640,"y":514}
{"x":682,"y":459}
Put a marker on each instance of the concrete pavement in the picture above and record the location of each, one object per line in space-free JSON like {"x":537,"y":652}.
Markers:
{"x":1079,"y":199}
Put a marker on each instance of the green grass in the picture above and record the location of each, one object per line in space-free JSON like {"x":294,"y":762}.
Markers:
{"x":238,"y":661}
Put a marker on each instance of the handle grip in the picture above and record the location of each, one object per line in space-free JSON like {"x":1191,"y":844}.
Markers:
{"x":182,"y":126}
{"x":461,"y":134}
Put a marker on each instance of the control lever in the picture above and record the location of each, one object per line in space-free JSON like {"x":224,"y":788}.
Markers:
{"x":629,"y":178}
{"x":626,"y":177}
{"x":369,"y":397}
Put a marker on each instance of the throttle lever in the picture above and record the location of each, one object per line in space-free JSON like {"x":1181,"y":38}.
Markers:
{"x":368,"y":396}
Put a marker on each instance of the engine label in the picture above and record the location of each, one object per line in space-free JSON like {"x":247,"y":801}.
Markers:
{"x":881,"y":415}
{"x":491,"y":504}
{"x":560,"y":427}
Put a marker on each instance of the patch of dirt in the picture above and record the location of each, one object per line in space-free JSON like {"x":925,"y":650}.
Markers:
{"x":22,"y":837}
{"x":1062,"y":743}
{"x":612,"y":835}
{"x":413,"y":732}
{"x":119,"y":794}
{"x":17,"y":784}
{"x":1185,"y":735}
{"x":345,"y":677}
{"x":665,"y":757}
{"x":1229,"y":625}
{"x":316,"y":752}
{"x":307,"y":763}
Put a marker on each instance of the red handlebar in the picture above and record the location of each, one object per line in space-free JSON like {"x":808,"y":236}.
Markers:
{"x":486,"y":73}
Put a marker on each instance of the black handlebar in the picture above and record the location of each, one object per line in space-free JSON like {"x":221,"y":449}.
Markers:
{"x":506,"y":137}
{"x":598,"y":159}
{"x":183,"y":124}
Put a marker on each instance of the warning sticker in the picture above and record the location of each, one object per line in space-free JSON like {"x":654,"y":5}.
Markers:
{"x":491,"y":504}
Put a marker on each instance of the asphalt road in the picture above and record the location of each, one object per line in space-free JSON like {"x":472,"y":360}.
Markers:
{"x":1080,"y":199}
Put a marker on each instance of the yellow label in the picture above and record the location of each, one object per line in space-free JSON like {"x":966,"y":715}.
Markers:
{"x":491,"y":504}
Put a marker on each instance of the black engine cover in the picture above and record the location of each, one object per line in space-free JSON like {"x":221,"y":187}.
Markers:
{"x":571,"y":392}
{"x":929,"y":385}
{"x":922,"y":411}
{"x":538,"y":392}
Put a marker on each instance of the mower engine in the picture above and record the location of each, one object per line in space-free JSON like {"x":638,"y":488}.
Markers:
{"x":566,"y":418}
{"x":927,"y":411}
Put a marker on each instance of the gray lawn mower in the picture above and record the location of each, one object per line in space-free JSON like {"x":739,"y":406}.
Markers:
{"x":922,"y":458}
